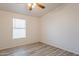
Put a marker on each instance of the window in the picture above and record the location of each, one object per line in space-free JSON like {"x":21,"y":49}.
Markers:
{"x":19,"y":28}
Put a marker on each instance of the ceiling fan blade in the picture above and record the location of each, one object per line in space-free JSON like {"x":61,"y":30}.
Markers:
{"x":30,"y":6}
{"x":41,"y":6}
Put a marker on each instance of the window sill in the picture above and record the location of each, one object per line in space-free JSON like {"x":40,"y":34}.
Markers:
{"x":18,"y":38}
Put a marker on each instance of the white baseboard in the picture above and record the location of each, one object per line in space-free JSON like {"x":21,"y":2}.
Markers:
{"x":18,"y":45}
{"x":60,"y":47}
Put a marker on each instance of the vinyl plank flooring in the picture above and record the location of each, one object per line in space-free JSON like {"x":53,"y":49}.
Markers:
{"x":35,"y":49}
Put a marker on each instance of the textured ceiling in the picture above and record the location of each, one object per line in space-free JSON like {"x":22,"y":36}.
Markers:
{"x":22,"y":8}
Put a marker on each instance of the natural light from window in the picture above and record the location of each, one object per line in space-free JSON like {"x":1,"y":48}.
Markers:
{"x":19,"y":28}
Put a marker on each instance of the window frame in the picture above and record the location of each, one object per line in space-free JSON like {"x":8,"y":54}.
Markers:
{"x":18,"y":29}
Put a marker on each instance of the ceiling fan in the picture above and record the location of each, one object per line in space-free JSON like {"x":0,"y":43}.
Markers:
{"x":32,"y":5}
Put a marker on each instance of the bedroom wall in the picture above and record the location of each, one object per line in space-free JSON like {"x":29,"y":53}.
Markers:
{"x":32,"y":29}
{"x":60,"y":28}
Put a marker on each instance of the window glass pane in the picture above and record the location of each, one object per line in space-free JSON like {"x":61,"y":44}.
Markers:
{"x":18,"y":23}
{"x":19,"y":33}
{"x":19,"y":28}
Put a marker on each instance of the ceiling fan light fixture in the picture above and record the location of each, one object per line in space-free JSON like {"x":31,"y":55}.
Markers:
{"x":33,"y":5}
{"x":29,"y":4}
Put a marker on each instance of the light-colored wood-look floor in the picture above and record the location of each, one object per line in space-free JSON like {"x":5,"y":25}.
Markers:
{"x":35,"y":49}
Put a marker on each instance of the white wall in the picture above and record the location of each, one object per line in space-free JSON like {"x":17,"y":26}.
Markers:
{"x":60,"y":27}
{"x":6,"y":40}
